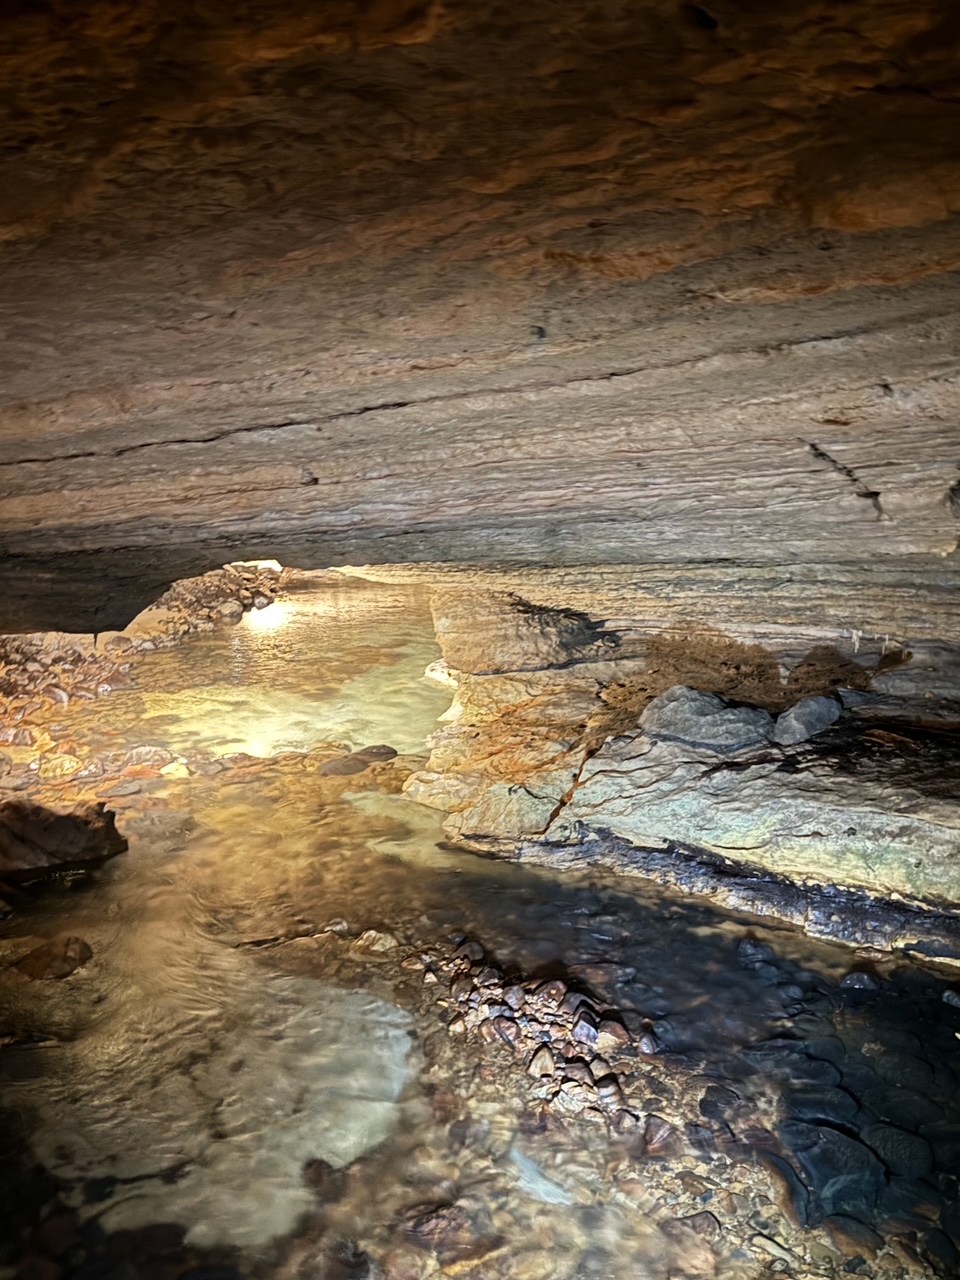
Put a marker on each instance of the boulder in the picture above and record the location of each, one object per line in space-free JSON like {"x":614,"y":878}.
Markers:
{"x":34,"y":839}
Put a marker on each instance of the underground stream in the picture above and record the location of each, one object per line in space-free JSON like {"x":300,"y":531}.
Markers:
{"x":314,"y":1039}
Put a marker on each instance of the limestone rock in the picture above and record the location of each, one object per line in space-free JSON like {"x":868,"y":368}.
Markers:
{"x":821,"y":825}
{"x":805,"y":719}
{"x":703,"y":720}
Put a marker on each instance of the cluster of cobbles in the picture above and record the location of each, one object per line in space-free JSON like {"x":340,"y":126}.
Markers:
{"x":567,"y":1043}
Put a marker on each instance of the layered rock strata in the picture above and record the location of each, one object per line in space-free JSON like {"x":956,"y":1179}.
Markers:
{"x":817,"y":785}
{"x":570,"y":283}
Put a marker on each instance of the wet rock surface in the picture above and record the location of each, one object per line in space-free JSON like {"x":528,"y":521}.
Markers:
{"x":603,"y":1082}
{"x":840,"y":815}
{"x":35,"y":839}
{"x":807,"y":718}
{"x":47,"y":669}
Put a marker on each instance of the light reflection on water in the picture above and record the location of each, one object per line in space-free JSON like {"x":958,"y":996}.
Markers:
{"x":182,"y":1049}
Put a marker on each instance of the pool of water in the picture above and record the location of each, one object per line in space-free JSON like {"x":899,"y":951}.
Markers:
{"x":222,"y":1040}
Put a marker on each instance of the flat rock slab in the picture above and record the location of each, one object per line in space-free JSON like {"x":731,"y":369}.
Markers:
{"x":55,"y":959}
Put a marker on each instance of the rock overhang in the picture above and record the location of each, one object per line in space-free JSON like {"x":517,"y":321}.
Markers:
{"x":419,"y":281}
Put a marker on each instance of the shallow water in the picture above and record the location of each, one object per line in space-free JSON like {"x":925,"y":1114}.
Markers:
{"x":216,"y":1043}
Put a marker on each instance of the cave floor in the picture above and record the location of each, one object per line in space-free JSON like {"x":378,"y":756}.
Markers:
{"x":306,"y":1037}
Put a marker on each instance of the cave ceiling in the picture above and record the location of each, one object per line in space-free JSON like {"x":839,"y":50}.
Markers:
{"x":561,"y":282}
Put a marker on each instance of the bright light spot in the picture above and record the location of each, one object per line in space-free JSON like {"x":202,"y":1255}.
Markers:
{"x":271,"y":617}
{"x":261,"y":564}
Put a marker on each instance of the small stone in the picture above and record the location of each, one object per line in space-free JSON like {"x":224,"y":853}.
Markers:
{"x":58,"y":766}
{"x":859,"y":980}
{"x":471,"y":951}
{"x":515,"y":997}
{"x":328,"y":1182}
{"x":585,"y":1029}
{"x":697,"y":1260}
{"x":850,"y":1236}
{"x":609,"y":1091}
{"x":430,"y":979}
{"x":952,"y":997}
{"x":542,"y":1063}
{"x":230,"y":611}
{"x":457,"y":1027}
{"x":661,"y":1138}
{"x":20,"y":736}
{"x":154,"y":757}
{"x":552,"y":991}
{"x":648,"y":1044}
{"x":344,"y":766}
{"x":805,"y":719}
{"x":378,"y":751}
{"x":488,"y":1032}
{"x":704,"y":1224}
{"x":751,"y":952}
{"x":773,"y":1248}
{"x":373,"y":940}
{"x":507,"y":1030}
{"x":938,"y":1246}
{"x":451,"y":1231}
{"x":612,"y":1035}
{"x":130,"y":788}
{"x":578,"y":1070}
{"x":55,"y":960}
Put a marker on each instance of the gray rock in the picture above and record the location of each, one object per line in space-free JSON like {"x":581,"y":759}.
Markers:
{"x":859,"y":980}
{"x":807,"y":718}
{"x":704,"y":720}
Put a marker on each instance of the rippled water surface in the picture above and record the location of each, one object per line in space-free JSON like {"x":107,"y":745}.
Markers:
{"x":221,"y":1039}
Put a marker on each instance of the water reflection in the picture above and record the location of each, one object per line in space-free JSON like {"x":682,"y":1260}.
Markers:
{"x":226,"y":1033}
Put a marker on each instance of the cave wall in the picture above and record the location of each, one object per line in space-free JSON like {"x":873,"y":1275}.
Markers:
{"x":407,"y":280}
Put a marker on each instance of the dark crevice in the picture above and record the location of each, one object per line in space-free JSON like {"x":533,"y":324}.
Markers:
{"x":861,"y":488}
{"x":452,"y":397}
